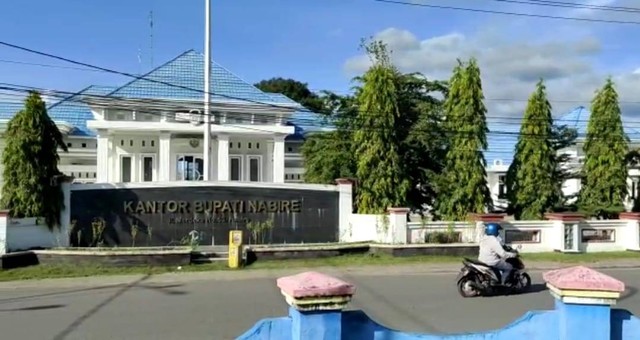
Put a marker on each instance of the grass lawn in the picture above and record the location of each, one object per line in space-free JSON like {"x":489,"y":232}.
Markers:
{"x":59,"y":271}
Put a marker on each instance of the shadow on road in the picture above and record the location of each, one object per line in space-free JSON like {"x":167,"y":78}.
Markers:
{"x":74,"y":325}
{"x":629,"y":292}
{"x":166,"y":289}
{"x":44,"y":307}
{"x":536,"y":288}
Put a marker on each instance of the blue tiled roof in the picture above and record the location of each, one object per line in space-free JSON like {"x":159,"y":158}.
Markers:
{"x":68,"y":110}
{"x":183,"y":78}
{"x":9,"y":109}
{"x":76,"y":113}
{"x":305,"y":120}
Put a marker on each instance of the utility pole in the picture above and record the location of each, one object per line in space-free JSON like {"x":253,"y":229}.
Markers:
{"x":207,"y":95}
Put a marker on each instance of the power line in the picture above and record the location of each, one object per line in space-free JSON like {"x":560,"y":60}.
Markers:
{"x":152,"y":104}
{"x":562,"y":4}
{"x":150,"y":101}
{"x":141,"y":77}
{"x":486,"y":11}
{"x":163,"y":108}
{"x":313,"y":89}
{"x":605,"y":7}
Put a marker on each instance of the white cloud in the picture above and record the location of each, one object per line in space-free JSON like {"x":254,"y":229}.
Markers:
{"x":511,"y":69}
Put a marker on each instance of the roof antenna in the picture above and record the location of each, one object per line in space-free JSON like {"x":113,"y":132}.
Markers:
{"x":151,"y":37}
{"x":139,"y":60}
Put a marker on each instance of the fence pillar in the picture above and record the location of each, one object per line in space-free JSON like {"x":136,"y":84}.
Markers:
{"x":397,"y":232}
{"x":4,"y":219}
{"x":631,"y":230}
{"x":345,"y":207}
{"x":583,"y":302}
{"x":316,"y":302}
{"x":567,"y":231}
{"x":65,"y":213}
{"x":481,"y":219}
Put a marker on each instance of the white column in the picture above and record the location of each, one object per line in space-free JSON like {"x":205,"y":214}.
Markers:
{"x":62,"y":235}
{"x":268,"y":162}
{"x":223,"y":157}
{"x":345,"y":208}
{"x":102,"y":159}
{"x":4,"y":219}
{"x":278,"y":159}
{"x":164,"y":157}
{"x":577,"y":239}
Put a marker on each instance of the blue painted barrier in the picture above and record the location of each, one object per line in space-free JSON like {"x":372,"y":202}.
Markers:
{"x":583,"y":299}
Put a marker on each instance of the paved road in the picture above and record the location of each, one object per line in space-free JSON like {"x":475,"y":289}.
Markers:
{"x":224,"y":304}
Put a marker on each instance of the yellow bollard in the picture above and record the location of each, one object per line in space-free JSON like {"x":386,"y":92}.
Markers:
{"x":235,"y":246}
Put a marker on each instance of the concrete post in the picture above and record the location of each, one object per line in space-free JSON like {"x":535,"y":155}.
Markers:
{"x":632,"y":230}
{"x":4,"y":219}
{"x":65,"y":213}
{"x":397,"y":232}
{"x":345,"y":207}
{"x":583,"y":299}
{"x":316,"y":302}
{"x":482,"y":219}
{"x":568,"y":231}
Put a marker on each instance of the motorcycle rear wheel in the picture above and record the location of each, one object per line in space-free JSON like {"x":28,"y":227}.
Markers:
{"x":465,"y":287}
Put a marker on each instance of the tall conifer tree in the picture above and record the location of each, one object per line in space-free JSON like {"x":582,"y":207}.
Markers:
{"x":604,"y":173}
{"x":30,"y":161}
{"x":462,"y":188}
{"x":533,"y":187}
{"x":382,"y":183}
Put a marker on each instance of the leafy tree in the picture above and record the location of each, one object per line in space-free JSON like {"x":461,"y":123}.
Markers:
{"x":417,"y":129}
{"x":423,"y":141}
{"x":329,"y":155}
{"x":382,"y":183}
{"x":605,"y":172}
{"x":295,"y":90}
{"x":30,"y":161}
{"x":462,"y":187}
{"x":531,"y":179}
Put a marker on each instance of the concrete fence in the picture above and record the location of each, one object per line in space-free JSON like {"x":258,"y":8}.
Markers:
{"x":18,"y":234}
{"x":565,"y":232}
{"x":583,"y":299}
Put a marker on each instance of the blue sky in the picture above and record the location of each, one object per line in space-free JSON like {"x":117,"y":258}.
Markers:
{"x":308,"y":40}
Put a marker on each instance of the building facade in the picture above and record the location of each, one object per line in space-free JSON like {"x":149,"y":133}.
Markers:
{"x":152,"y":128}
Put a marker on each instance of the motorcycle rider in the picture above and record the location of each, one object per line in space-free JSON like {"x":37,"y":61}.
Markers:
{"x":491,"y":251}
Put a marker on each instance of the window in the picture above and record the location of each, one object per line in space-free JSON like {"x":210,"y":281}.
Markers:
{"x":189,"y":168}
{"x":125,"y":169}
{"x":592,"y":235}
{"x":147,"y":168}
{"x":522,"y":236}
{"x":254,"y":169}
{"x":502,"y":186}
{"x":633,"y":193}
{"x":235,"y":168}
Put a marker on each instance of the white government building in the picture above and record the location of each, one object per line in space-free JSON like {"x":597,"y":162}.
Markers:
{"x":150,"y":129}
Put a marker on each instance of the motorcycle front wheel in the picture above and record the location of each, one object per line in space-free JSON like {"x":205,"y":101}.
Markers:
{"x":465,"y":287}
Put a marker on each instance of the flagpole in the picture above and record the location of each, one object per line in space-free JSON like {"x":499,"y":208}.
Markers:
{"x":207,"y":94}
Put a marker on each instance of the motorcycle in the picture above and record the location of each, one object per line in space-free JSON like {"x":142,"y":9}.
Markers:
{"x":477,"y":278}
